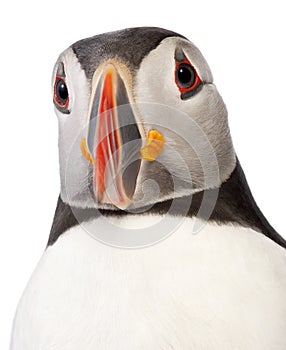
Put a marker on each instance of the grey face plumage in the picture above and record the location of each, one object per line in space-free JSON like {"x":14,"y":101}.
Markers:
{"x":142,"y":121}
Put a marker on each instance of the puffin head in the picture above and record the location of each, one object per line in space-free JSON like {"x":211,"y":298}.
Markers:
{"x":140,"y":120}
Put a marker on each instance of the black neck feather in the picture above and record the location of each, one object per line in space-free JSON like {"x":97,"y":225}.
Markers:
{"x":235,"y":204}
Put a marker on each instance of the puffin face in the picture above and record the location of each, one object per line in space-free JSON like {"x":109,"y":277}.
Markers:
{"x":140,"y":120}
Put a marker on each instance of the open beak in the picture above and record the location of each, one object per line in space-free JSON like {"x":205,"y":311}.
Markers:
{"x":113,"y":140}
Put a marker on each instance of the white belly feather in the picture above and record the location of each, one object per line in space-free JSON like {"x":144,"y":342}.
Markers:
{"x":224,"y":288}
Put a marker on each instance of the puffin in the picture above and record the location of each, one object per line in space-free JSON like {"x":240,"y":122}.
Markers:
{"x":157,"y":241}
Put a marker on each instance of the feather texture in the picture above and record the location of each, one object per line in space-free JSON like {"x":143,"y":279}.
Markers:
{"x":223,"y":288}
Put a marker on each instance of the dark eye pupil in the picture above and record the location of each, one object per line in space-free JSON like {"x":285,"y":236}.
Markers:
{"x":62,"y":91}
{"x":185,"y":76}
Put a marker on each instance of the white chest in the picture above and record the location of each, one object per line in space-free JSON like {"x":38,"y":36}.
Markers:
{"x":223,"y":288}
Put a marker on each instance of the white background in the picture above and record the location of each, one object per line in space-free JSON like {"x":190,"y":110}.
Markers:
{"x":244,"y":43}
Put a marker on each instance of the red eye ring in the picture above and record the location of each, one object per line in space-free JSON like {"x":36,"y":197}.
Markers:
{"x":186,"y":78}
{"x":61,"y":95}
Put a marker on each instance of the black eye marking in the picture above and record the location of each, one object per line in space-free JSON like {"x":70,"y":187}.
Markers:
{"x":179,"y":55}
{"x":186,"y":76}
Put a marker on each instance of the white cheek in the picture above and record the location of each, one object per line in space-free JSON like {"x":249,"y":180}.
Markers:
{"x":155,"y":81}
{"x":195,"y":130}
{"x":160,"y":104}
{"x":72,"y":129}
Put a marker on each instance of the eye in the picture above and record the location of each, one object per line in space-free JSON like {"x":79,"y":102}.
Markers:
{"x":61,"y":94}
{"x":186,"y":77}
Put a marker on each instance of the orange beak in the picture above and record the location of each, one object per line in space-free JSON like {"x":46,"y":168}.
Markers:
{"x":113,"y":141}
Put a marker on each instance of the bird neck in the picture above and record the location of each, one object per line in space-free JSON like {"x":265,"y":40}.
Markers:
{"x":234,"y":204}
